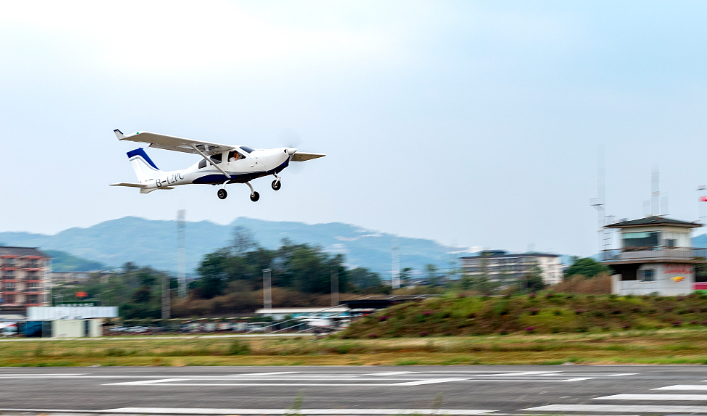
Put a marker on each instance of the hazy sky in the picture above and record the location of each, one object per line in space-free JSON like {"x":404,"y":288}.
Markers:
{"x":475,"y":123}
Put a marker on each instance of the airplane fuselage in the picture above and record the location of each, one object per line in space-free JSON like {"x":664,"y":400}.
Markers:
{"x":256,"y":164}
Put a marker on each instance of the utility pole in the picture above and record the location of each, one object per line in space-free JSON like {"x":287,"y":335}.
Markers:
{"x":334,"y":288}
{"x":395,"y":276}
{"x":267,"y":289}
{"x":182,"y":264}
{"x":166,"y":301}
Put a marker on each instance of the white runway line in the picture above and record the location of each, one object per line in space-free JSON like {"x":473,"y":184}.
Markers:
{"x":264,"y":374}
{"x":40,"y":375}
{"x":146,"y":382}
{"x":292,"y":383}
{"x":528,"y":373}
{"x":611,"y":408}
{"x":684,"y":387}
{"x":389,"y":373}
{"x":207,"y":411}
{"x":681,"y":397}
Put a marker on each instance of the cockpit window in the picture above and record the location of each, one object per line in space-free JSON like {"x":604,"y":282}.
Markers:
{"x":247,"y":149}
{"x":202,"y":164}
{"x":234,"y":156}
{"x":216,"y":158}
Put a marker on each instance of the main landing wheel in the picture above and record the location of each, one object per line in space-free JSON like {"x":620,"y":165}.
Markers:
{"x":276,"y":185}
{"x":222,"y":194}
{"x":254,"y":196}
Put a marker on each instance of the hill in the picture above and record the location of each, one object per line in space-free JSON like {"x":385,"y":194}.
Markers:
{"x":154,"y":243}
{"x":65,"y":262}
{"x":550,"y":313}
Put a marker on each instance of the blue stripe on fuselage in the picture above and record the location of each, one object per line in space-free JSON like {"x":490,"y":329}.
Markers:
{"x":218,"y":179}
{"x":140,"y":152}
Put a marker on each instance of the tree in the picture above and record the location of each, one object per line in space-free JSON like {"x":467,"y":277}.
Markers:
{"x":142,"y":295}
{"x":586,"y":267}
{"x":432,"y":276}
{"x":405,"y":276}
{"x":533,"y":280}
{"x":364,"y":279}
{"x":243,"y":240}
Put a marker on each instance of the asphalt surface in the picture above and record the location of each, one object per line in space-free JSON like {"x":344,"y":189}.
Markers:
{"x":566,"y":390}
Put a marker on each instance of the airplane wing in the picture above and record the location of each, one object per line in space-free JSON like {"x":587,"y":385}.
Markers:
{"x":177,"y":144}
{"x":301,"y":157}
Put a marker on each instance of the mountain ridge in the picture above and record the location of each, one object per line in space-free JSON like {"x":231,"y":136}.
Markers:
{"x":154,"y":242}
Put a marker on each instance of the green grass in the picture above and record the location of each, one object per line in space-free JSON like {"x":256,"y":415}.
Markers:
{"x":543,"y":314}
{"x":668,"y":346}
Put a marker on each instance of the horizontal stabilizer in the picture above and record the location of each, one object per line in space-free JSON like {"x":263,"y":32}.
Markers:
{"x":130,"y":185}
{"x":142,"y":186}
{"x":301,"y":157}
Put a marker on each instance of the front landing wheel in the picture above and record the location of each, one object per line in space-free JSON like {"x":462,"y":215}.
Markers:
{"x":276,"y":185}
{"x":254,"y":196}
{"x":222,"y":194}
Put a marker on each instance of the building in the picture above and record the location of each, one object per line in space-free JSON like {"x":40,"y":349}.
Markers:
{"x":501,"y":266}
{"x":69,"y":278}
{"x":279,"y":314}
{"x":655,"y":257}
{"x":24,"y":277}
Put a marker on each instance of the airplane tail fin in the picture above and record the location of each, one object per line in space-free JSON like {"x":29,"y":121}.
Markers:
{"x":142,"y":165}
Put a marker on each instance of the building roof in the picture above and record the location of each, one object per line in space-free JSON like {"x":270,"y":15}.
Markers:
{"x":22,"y":252}
{"x":501,"y":253}
{"x":654,"y":220}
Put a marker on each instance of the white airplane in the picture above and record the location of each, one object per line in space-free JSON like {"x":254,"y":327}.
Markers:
{"x":221,"y":164}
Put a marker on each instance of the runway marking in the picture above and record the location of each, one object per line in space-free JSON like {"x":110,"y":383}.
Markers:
{"x":265,"y":374}
{"x":698,"y":397}
{"x":146,"y":382}
{"x":389,"y":373}
{"x":207,"y":411}
{"x":293,"y":383}
{"x":40,"y":375}
{"x":527,"y":373}
{"x":610,"y":408}
{"x":696,"y":387}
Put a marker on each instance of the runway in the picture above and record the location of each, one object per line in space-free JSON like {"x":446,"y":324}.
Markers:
{"x":453,"y":390}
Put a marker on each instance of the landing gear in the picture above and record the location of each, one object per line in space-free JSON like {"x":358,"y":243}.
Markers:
{"x":254,"y":196}
{"x":222,"y":194}
{"x":276,"y":184}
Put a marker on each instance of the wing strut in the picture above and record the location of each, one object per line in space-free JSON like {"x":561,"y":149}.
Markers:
{"x":210,"y":161}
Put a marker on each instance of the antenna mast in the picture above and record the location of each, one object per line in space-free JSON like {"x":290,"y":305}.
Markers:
{"x":182,"y":264}
{"x":655,"y":191}
{"x":395,"y":279}
{"x":599,"y":203}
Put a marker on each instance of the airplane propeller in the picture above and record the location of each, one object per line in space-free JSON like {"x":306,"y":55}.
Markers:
{"x":292,"y":140}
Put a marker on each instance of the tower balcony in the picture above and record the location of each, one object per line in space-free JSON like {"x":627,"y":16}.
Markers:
{"x":655,"y":255}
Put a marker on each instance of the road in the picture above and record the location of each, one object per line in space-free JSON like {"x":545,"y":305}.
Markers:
{"x":454,"y":390}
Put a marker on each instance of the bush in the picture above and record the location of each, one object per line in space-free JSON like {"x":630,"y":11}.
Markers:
{"x":238,"y":347}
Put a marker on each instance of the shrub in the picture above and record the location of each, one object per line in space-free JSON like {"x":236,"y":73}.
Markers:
{"x":238,"y":347}
{"x":558,"y":312}
{"x":530,"y":329}
{"x":383,"y":318}
{"x":423,"y":334}
{"x":372,"y":336}
{"x":534,"y":311}
{"x":677,"y":323}
{"x":579,"y":311}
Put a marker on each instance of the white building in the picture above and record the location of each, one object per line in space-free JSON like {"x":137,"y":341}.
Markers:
{"x":655,"y":257}
{"x":501,"y":266}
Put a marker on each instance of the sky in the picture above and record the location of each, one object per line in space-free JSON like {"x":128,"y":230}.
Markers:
{"x":473,"y":123}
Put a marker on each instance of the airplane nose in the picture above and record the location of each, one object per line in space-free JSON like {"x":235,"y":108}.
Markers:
{"x":290,"y":151}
